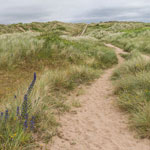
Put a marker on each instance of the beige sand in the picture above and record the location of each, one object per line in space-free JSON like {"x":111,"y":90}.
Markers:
{"x":98,"y":124}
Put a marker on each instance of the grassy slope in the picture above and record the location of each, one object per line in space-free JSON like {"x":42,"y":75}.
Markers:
{"x":132,"y":78}
{"x":67,"y":28}
{"x":61,"y":65}
{"x":127,"y":35}
{"x":132,"y":86}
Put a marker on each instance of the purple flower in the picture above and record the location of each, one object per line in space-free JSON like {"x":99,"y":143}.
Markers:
{"x":25,"y":124}
{"x":24,"y":106}
{"x":31,"y":85}
{"x":32,"y":122}
{"x":25,"y":102}
{"x":18,"y":111}
{"x":2,"y":115}
{"x":26,"y":116}
{"x":6,"y":115}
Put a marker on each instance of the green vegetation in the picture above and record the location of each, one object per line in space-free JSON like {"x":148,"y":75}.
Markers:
{"x":62,"y":62}
{"x":65,"y":28}
{"x":135,"y":40}
{"x":127,"y":35}
{"x":133,"y":87}
{"x":131,"y":78}
{"x":14,"y":48}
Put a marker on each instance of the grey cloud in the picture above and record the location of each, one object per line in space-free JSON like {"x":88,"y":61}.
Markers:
{"x":117,"y":13}
{"x":13,"y":11}
{"x":23,"y":14}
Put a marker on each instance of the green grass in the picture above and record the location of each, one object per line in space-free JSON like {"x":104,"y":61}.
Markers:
{"x":132,"y":82}
{"x":132,"y":78}
{"x":135,"y":63}
{"x":65,"y":28}
{"x":63,"y":61}
{"x":126,"y":35}
{"x":131,"y":39}
{"x":14,"y":48}
{"x":76,"y":103}
{"x":61,"y":64}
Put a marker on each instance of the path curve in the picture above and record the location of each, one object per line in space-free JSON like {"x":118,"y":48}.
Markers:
{"x":98,"y":124}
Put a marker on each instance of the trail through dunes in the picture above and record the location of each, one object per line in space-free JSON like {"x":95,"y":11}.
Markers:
{"x":98,"y":124}
{"x":85,"y":28}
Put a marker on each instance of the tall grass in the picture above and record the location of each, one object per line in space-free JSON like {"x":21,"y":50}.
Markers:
{"x":133,"y":39}
{"x":61,"y":65}
{"x":132,"y":82}
{"x":16,"y":121}
{"x":16,"y":47}
{"x":135,"y":63}
{"x":131,"y":78}
{"x":65,"y":28}
{"x":127,"y":35}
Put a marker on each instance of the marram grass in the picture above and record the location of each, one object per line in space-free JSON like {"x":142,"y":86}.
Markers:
{"x":132,"y":80}
{"x":62,"y":64}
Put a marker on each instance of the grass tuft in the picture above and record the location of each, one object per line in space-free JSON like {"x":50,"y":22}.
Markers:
{"x":132,"y":80}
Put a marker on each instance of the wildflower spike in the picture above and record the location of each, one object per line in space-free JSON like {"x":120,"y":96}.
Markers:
{"x":25,"y":124}
{"x":6,"y":115}
{"x":18,"y":111}
{"x":24,"y":106}
{"x":31,"y":85}
{"x":2,"y":115}
{"x":32,"y":123}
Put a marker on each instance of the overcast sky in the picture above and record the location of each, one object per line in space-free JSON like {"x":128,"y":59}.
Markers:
{"x":14,"y":11}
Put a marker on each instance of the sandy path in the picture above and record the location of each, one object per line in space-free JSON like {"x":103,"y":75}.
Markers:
{"x":98,"y":124}
{"x":85,"y":28}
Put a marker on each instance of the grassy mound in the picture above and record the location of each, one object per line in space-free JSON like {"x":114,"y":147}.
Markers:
{"x":132,"y":82}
